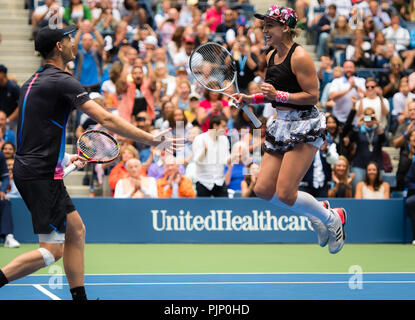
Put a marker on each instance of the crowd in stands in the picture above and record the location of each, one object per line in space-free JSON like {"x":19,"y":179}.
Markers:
{"x":132,"y":57}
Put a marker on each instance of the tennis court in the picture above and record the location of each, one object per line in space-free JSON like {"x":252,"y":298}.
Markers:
{"x":228,"y":272}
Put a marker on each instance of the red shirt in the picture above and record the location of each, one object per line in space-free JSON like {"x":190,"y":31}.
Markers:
{"x":213,"y":13}
{"x":207,"y":105}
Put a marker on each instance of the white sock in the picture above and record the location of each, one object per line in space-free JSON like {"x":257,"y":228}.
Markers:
{"x":306,"y":205}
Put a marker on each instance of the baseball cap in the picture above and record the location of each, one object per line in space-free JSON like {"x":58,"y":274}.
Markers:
{"x":194,"y":95}
{"x":242,"y":20}
{"x":286,"y":16}
{"x":46,"y":38}
{"x":181,"y":70}
{"x":152,"y":40}
{"x":3,"y":68}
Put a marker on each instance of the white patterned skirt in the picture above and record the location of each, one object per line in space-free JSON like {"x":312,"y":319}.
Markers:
{"x":292,"y":127}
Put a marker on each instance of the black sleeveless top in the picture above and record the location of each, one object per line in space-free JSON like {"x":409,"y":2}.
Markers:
{"x":281,"y":77}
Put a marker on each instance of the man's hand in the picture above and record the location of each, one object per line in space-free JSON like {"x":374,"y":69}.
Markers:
{"x":3,"y":196}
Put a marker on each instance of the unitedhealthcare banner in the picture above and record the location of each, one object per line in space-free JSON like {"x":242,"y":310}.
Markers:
{"x":220,"y":220}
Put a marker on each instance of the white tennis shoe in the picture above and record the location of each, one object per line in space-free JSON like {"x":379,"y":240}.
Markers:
{"x":335,"y":228}
{"x":11,"y":242}
{"x":320,"y":228}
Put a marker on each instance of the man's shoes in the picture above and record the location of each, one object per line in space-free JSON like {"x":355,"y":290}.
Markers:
{"x":11,"y":242}
{"x":335,"y":228}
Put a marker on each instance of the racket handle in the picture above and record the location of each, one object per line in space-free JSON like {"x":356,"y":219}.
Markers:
{"x":251,"y":116}
{"x":69,"y":169}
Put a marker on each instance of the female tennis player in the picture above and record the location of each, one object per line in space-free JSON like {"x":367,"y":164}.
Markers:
{"x":46,"y":101}
{"x":293,"y":138}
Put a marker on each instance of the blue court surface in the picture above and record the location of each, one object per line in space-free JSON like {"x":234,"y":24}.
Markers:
{"x":223,"y":286}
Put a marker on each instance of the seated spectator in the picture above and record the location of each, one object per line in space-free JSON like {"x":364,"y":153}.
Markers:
{"x":76,"y":12}
{"x":369,"y":138}
{"x":400,"y":100}
{"x":88,"y":62}
{"x":246,"y":62}
{"x":323,"y":27}
{"x":214,"y":15}
{"x":404,"y":139}
{"x":9,"y":150}
{"x":396,"y":34}
{"x":173,"y":184}
{"x":9,"y":98}
{"x":372,"y":187}
{"x":228,"y":27}
{"x":108,"y":87}
{"x":6,"y":220}
{"x":191,"y":112}
{"x":176,"y":43}
{"x":6,"y":135}
{"x":202,"y":34}
{"x":380,"y":17}
{"x":167,"y":82}
{"x":181,"y":96}
{"x":382,"y":51}
{"x":119,"y":172}
{"x":178,"y":123}
{"x":359,"y":50}
{"x":143,"y":88}
{"x":169,"y":26}
{"x":327,"y":103}
{"x":341,"y":181}
{"x":235,"y":171}
{"x":157,"y":168}
{"x":123,"y":99}
{"x":142,"y":121}
{"x":135,"y":185}
{"x":373,"y":98}
{"x":410,"y":200}
{"x":248,"y":184}
{"x":211,"y":154}
{"x":12,"y":191}
{"x":343,"y":89}
{"x":133,"y":14}
{"x":167,"y":107}
{"x":105,"y":17}
{"x":213,"y":104}
{"x":391,"y":80}
{"x":43,"y":14}
{"x":181,"y":59}
{"x":339,"y":38}
{"x":325,"y":71}
{"x":339,"y":135}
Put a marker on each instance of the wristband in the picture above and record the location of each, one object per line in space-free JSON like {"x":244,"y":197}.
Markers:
{"x":258,"y":98}
{"x":282,"y":96}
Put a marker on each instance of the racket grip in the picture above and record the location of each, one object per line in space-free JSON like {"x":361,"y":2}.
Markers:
{"x":251,"y":116}
{"x":69,"y":169}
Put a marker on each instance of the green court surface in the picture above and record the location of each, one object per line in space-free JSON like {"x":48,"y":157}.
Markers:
{"x":235,"y":258}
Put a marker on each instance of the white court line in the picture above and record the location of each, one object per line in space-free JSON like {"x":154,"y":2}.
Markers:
{"x":48,"y":293}
{"x":38,"y":286}
{"x":221,"y":273}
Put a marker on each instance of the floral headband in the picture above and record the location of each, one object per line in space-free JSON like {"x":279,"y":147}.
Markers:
{"x":286,"y":16}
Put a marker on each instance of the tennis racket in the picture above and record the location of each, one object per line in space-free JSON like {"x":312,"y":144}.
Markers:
{"x":214,"y":68}
{"x":95,"y":146}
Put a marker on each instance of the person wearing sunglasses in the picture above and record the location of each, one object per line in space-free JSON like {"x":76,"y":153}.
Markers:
{"x":373,"y":97}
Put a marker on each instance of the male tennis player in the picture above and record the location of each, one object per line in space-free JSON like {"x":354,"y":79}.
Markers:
{"x":46,"y":102}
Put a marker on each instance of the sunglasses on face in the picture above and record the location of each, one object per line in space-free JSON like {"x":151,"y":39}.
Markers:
{"x":370,"y":87}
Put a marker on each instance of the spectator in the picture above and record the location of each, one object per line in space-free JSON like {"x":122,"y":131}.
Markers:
{"x":143,"y":87}
{"x":228,"y":27}
{"x":133,"y":14}
{"x":119,"y":171}
{"x":248,"y":184}
{"x":135,"y":185}
{"x":341,"y":185}
{"x":6,"y":135}
{"x":382,"y":51}
{"x":167,"y":107}
{"x":176,"y":43}
{"x":76,"y":12}
{"x":6,"y":220}
{"x":51,"y":11}
{"x":213,"y":104}
{"x":339,"y":38}
{"x":325,"y":71}
{"x":107,"y":18}
{"x":8,"y":149}
{"x":246,"y":62}
{"x":191,"y":112}
{"x":12,"y":191}
{"x":340,"y":134}
{"x":370,"y":27}
{"x":178,"y":123}
{"x":167,"y":82}
{"x":410,"y":200}
{"x":235,"y":171}
{"x":88,"y":62}
{"x":158,"y":167}
{"x":202,"y":34}
{"x":173,"y":184}
{"x":402,"y":136}
{"x":211,"y":154}
{"x":108,"y":87}
{"x":323,"y":28}
{"x":181,"y":59}
{"x":181,"y":96}
{"x":400,"y":100}
{"x":326,"y":103}
{"x":87,"y":123}
{"x":396,"y":34}
{"x":214,"y":15}
{"x":369,"y":138}
{"x":143,"y":121}
{"x":374,"y":99}
{"x":390,"y":81}
{"x":359,"y":51}
{"x":9,"y":98}
{"x":163,"y":14}
{"x":343,"y":89}
{"x":381,"y":18}
{"x":372,"y":187}
{"x":169,"y":26}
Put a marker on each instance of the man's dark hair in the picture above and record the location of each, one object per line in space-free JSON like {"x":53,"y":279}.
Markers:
{"x":217,"y":119}
{"x":3,"y":68}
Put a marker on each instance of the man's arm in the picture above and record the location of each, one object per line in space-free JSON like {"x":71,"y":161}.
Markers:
{"x":100,"y":41}
{"x":76,"y":41}
{"x":116,"y":124}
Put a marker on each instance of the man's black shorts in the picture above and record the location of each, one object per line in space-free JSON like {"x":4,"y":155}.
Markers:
{"x":48,"y":202}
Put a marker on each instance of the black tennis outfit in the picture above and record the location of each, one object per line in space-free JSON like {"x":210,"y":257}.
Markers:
{"x":46,"y":101}
{"x":300,"y":124}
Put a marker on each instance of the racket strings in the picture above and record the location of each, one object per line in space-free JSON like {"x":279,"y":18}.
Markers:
{"x":98,"y":146}
{"x":213,"y":67}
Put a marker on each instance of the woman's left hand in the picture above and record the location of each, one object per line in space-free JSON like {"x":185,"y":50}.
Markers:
{"x":269,"y":91}
{"x":78,"y":161}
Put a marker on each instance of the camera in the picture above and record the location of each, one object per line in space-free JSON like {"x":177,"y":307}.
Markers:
{"x":368,"y":118}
